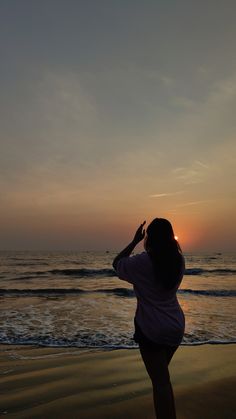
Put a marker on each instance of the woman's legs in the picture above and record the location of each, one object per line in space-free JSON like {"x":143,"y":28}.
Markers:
{"x":156,"y":363}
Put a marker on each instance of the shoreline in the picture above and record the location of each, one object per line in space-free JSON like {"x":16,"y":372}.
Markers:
{"x":105,"y":348}
{"x":56,"y":382}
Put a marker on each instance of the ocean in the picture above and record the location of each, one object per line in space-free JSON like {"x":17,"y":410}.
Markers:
{"x":74,"y":299}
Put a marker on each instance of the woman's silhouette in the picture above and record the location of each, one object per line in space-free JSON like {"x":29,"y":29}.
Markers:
{"x":159,"y":321}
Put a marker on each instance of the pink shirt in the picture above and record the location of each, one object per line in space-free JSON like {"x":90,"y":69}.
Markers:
{"x":158,"y":312}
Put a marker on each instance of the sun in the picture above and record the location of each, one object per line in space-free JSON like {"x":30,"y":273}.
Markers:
{"x":176,"y":237}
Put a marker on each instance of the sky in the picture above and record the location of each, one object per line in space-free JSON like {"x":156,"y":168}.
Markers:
{"x":115,"y":112}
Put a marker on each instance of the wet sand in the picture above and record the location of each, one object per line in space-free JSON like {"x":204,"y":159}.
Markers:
{"x":80,"y":384}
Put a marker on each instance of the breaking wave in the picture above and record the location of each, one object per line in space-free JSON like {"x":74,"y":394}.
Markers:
{"x":122,"y":292}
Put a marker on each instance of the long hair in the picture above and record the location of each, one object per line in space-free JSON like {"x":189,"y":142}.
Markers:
{"x":164,"y":251}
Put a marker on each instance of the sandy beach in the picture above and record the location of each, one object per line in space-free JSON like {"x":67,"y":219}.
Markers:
{"x":74,"y":383}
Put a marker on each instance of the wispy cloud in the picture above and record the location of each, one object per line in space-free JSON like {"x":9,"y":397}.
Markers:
{"x":187,"y":204}
{"x":200,"y":163}
{"x":193,"y":174}
{"x":166,"y":80}
{"x":183,"y":102}
{"x":164,"y":194}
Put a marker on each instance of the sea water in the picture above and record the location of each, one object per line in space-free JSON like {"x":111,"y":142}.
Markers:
{"x":75,"y":299}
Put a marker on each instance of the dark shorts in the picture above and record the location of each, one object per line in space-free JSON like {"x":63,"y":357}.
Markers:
{"x":143,"y":341}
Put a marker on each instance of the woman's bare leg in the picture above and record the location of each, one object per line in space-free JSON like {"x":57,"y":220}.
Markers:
{"x":156,"y":363}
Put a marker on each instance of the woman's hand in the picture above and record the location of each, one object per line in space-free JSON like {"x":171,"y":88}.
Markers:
{"x":140,"y":233}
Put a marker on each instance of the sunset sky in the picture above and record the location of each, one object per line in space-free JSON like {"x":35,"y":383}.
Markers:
{"x":115,"y":112}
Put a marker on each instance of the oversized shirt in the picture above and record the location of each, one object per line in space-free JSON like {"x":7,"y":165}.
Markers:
{"x":158,"y":313}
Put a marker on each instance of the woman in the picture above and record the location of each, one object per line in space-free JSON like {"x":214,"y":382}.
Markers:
{"x":159,"y":320}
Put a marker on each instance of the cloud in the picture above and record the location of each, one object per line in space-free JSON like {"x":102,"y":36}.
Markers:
{"x":55,"y":122}
{"x":166,"y":80}
{"x":161,"y":195}
{"x":193,"y":174}
{"x":62,"y":148}
{"x":183,"y":102}
{"x":207,"y":121}
{"x":187,"y":204}
{"x":204,"y":165}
